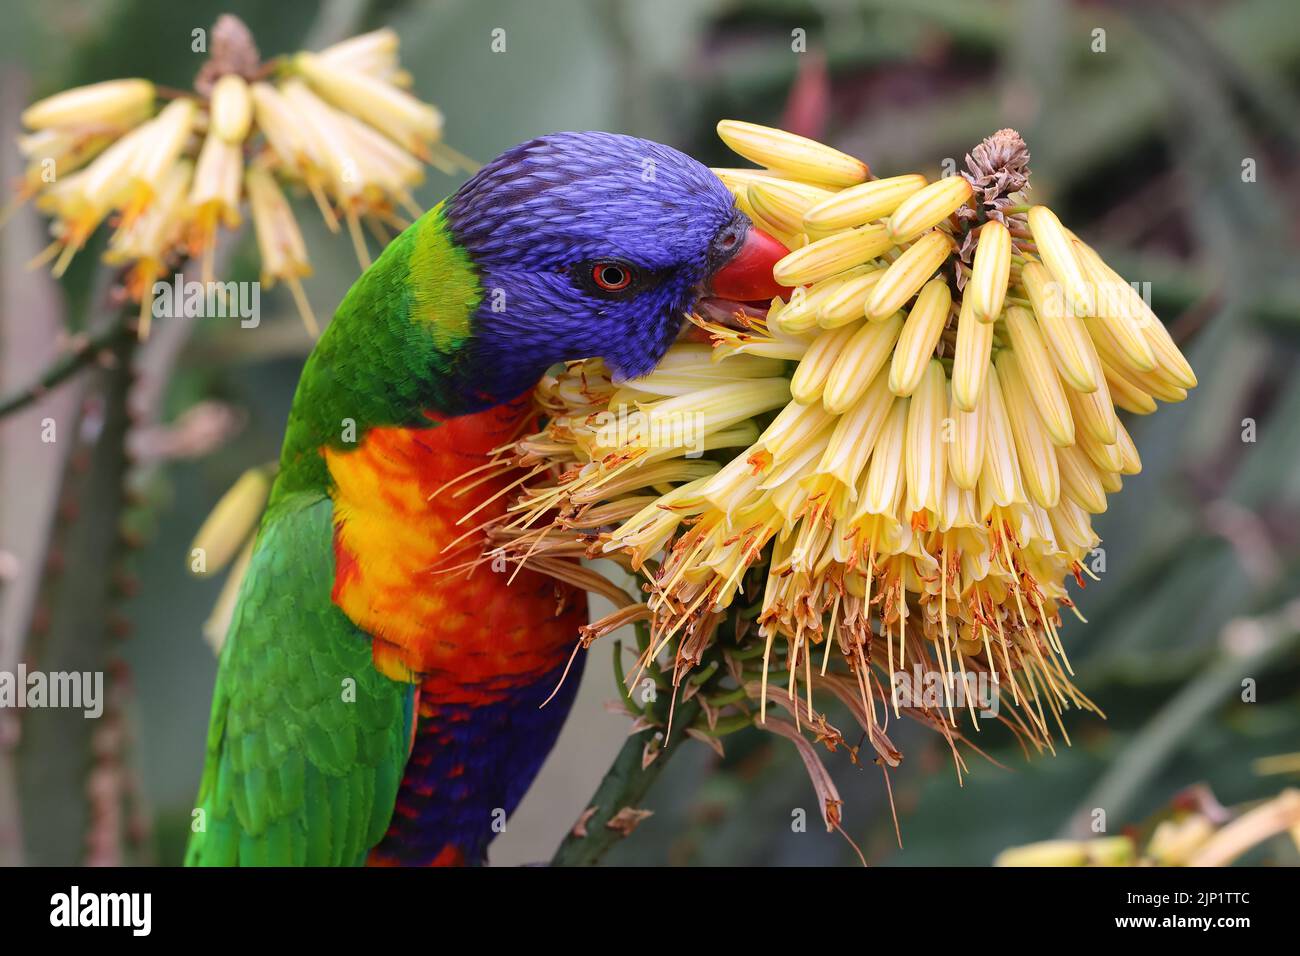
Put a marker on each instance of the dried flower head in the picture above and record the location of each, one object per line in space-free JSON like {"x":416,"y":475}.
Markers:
{"x":896,"y":462}
{"x":337,"y":123}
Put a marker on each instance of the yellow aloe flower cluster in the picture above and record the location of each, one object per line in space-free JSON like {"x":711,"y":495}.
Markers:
{"x":1202,"y":835}
{"x":944,"y":374}
{"x":337,"y":123}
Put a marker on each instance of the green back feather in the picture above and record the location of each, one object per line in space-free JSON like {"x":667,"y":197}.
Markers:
{"x":307,"y":741}
{"x":393,"y":350}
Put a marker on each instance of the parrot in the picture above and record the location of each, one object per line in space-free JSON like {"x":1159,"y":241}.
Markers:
{"x":367,"y":709}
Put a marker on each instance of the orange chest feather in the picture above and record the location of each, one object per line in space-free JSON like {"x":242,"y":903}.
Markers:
{"x":472,"y":634}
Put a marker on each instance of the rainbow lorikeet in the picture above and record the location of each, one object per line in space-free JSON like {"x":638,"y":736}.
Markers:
{"x":368,"y":708}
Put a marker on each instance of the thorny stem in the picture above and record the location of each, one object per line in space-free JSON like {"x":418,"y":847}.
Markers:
{"x":85,"y":351}
{"x":625,"y":785}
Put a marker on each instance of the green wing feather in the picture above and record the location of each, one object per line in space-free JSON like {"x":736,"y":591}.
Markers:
{"x":302,"y":766}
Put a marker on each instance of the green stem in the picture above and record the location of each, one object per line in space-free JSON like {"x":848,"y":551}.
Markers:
{"x":625,"y":785}
{"x":85,"y":352}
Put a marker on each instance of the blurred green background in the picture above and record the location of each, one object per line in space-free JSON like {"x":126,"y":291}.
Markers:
{"x":1165,"y":133}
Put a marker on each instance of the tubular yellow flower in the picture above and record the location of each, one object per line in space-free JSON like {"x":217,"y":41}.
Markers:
{"x":802,"y":157}
{"x":825,"y":257}
{"x":815,"y":368}
{"x":925,"y":323}
{"x":784,"y":202}
{"x":1132,"y":463}
{"x":1171,"y":366}
{"x":1126,"y":395}
{"x":1080,"y":480}
{"x":969,"y":434}
{"x":792,"y":429}
{"x":862,"y":203}
{"x":1118,"y":321}
{"x":161,"y":141}
{"x":927,"y":207}
{"x":231,"y":110}
{"x":113,"y":103}
{"x":214,"y":196}
{"x":1068,"y":341}
{"x":1105,"y":455}
{"x":855,"y":434}
{"x":845,"y":304}
{"x":373,"y":53}
{"x":886,"y":475}
{"x":1057,"y":252}
{"x":801,"y":313}
{"x":987,"y":288}
{"x":906,"y":274}
{"x":1094,"y":412}
{"x":283,"y":129}
{"x":738,"y":179}
{"x":230,"y":523}
{"x":970,"y":363}
{"x":859,"y":362}
{"x":925,"y":454}
{"x":410,"y":123}
{"x":1000,"y":475}
{"x":279,"y":242}
{"x":1040,"y":375}
{"x":1034,"y":448}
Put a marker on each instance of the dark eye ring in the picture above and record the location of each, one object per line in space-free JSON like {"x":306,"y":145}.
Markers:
{"x":611,"y":276}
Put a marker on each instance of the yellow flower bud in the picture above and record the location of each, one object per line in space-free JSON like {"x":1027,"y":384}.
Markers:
{"x":112,"y":103}
{"x":1040,"y":375}
{"x":409,"y":122}
{"x":862,"y":203}
{"x":966,"y":450}
{"x":1070,"y":346}
{"x":230,"y":523}
{"x":987,"y":287}
{"x":970,"y":362}
{"x":815,"y":367}
{"x":927,"y":207}
{"x":916,"y":344}
{"x":1057,"y":252}
{"x":1047,"y":853}
{"x":925,"y":456}
{"x":906,"y":274}
{"x":1126,"y":395}
{"x":859,"y":363}
{"x":835,"y":253}
{"x":1000,"y":477}
{"x":845,"y":304}
{"x":797,"y":155}
{"x":1034,"y":448}
{"x":1080,"y":480}
{"x":231,"y":108}
{"x":784,"y":202}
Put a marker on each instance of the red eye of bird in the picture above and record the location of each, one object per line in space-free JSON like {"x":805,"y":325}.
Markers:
{"x":611,"y":276}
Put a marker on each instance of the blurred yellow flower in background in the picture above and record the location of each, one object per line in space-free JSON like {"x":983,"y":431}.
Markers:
{"x":337,"y":123}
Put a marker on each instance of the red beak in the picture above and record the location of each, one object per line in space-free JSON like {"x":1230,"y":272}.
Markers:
{"x":747,"y":276}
